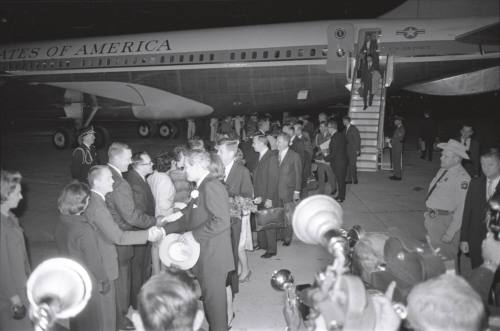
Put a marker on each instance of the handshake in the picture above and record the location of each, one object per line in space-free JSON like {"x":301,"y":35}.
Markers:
{"x":156,"y":233}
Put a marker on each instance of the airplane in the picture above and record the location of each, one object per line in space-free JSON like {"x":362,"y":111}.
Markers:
{"x":435,"y":47}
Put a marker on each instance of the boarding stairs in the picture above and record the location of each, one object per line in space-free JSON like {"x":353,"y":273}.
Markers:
{"x":370,"y":121}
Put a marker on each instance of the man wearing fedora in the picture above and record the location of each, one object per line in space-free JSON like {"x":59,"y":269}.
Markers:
{"x":85,"y":155}
{"x":397,"y":147}
{"x":446,"y":198}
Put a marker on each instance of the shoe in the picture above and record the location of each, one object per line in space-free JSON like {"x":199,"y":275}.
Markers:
{"x":257,"y":247}
{"x":394,"y":178}
{"x":287,"y":242}
{"x":348,"y":182}
{"x":246,"y":278}
{"x":364,"y":108}
{"x":339,"y":200}
{"x":355,"y":182}
{"x":267,"y":255}
{"x":230,"y":324}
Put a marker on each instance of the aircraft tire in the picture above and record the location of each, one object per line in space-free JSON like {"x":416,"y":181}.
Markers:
{"x":144,"y":129}
{"x":165,"y":130}
{"x":63,"y":138}
{"x":101,"y":137}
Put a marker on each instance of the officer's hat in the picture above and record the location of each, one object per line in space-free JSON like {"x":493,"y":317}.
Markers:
{"x":86,"y":131}
{"x":454,"y":147}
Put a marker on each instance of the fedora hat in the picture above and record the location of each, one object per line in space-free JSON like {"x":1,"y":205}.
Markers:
{"x":454,"y":147}
{"x":174,"y":252}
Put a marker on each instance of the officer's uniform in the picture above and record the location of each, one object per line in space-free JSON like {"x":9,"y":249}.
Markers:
{"x":84,"y":157}
{"x":445,"y":207}
{"x":397,"y":149}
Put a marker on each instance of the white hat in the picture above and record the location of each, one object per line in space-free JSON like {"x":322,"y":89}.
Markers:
{"x":455,"y":147}
{"x":183,"y":255}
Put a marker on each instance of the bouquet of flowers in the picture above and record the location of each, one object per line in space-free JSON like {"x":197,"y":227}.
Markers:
{"x":241,"y":206}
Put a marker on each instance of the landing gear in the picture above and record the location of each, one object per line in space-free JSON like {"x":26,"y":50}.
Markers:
{"x":144,"y":129}
{"x":167,"y":130}
{"x":64,"y":138}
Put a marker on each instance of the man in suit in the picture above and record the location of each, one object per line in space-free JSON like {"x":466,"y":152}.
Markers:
{"x":337,"y":156}
{"x":289,"y":183}
{"x":84,"y":156}
{"x":472,"y":165}
{"x":122,"y":207}
{"x":265,"y":181}
{"x":207,"y":221}
{"x":305,"y":140}
{"x":353,"y":150}
{"x":325,"y":172}
{"x":110,"y":234}
{"x":481,"y":189}
{"x":144,"y":201}
{"x":428,"y":133}
{"x":238,"y":183}
{"x":397,"y":147}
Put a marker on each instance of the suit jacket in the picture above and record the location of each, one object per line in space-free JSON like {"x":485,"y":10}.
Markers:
{"x":398,"y":136}
{"x":208,"y":218}
{"x":111,"y":234}
{"x":473,"y":165}
{"x":82,"y":160}
{"x":290,"y":176}
{"x":238,"y":181}
{"x":353,"y":139}
{"x":298,"y":146}
{"x":141,"y":191}
{"x":473,"y":228}
{"x":265,"y":177}
{"x":337,"y":150}
{"x":77,"y":238}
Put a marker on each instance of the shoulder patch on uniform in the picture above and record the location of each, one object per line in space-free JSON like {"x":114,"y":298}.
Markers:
{"x":464,"y":185}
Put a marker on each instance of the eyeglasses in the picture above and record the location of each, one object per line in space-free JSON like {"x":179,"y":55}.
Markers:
{"x":147,"y":163}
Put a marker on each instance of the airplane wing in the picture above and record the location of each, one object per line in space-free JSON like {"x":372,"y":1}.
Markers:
{"x":147,"y":102}
{"x":488,"y":35}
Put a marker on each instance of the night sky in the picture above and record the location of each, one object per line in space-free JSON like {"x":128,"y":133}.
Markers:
{"x":22,"y":20}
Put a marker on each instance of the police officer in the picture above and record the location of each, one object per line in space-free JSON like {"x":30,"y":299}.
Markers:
{"x":84,"y":156}
{"x":397,"y":147}
{"x":446,"y":198}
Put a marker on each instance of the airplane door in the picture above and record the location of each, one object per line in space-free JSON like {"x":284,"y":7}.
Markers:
{"x":340,"y":47}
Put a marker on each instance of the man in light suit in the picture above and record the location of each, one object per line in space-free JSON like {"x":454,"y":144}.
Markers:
{"x":353,"y":150}
{"x":337,"y":156}
{"x":265,"y":181}
{"x":289,"y":182}
{"x":122,"y":207}
{"x":481,"y":189}
{"x":207,"y":221}
{"x":140,"y":265}
{"x":101,"y":183}
{"x":238,"y":183}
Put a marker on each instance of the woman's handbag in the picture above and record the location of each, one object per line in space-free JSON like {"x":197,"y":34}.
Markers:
{"x":270,"y":218}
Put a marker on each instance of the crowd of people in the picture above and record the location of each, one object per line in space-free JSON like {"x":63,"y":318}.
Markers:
{"x":113,"y":215}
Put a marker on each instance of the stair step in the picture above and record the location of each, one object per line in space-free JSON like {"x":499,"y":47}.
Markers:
{"x":367,"y":121}
{"x":369,"y":150}
{"x":357,"y":97}
{"x":359,"y":107}
{"x":364,"y":115}
{"x":368,"y":157}
{"x":368,"y":136}
{"x":360,"y":103}
{"x":369,"y":143}
{"x":368,"y":128}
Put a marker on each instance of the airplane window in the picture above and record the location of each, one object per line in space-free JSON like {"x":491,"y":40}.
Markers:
{"x":52,"y":64}
{"x":162,"y":59}
{"x":243,"y":55}
{"x":181,"y":58}
{"x":37,"y":65}
{"x":191,"y":58}
{"x":68,"y":64}
{"x":265,"y":54}
{"x":143,"y":60}
{"x":125,"y":62}
{"x":276,"y":54}
{"x":44,"y":65}
{"x":211,"y":57}
{"x":254,"y":55}
{"x":134,"y":61}
{"x":312,"y":52}
{"x":172,"y":58}
{"x":108,"y":62}
{"x":324,"y":51}
{"x":288,"y":53}
{"x":201,"y":58}
{"x":100,"y":62}
{"x":232,"y":56}
{"x":300,"y":52}
{"x":152,"y":59}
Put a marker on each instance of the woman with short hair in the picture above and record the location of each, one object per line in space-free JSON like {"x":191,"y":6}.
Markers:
{"x":76,"y":238}
{"x":14,"y":263}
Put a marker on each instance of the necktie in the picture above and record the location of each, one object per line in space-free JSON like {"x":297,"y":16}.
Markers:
{"x":435,"y":184}
{"x":490,"y":189}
